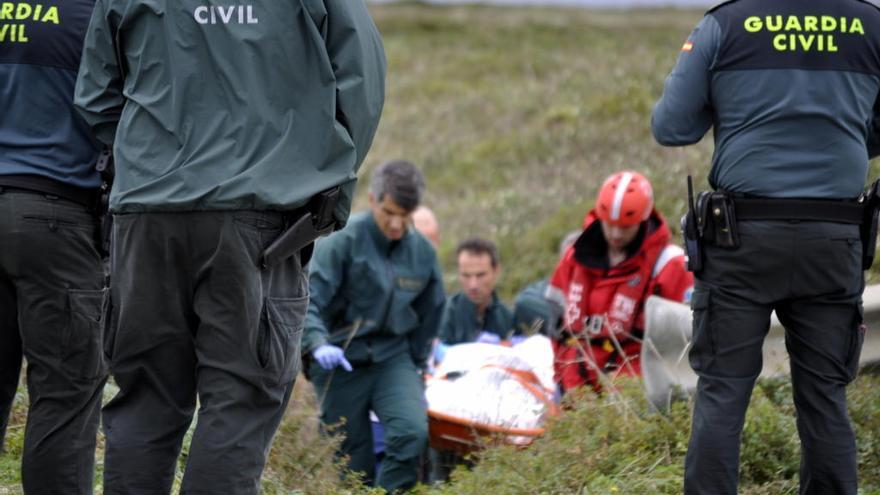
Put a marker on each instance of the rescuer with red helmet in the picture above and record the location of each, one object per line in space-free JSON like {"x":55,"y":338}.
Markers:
{"x":603,"y":280}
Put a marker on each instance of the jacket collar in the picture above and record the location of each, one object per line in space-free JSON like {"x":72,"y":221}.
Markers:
{"x":469,"y":308}
{"x":591,"y":249}
{"x":382,"y":242}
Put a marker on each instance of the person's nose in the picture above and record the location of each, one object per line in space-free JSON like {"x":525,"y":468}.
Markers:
{"x":396,"y":223}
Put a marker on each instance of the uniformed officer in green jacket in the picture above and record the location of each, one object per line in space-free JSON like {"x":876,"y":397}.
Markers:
{"x":225,"y":119}
{"x":476,"y":314}
{"x":376,"y":301}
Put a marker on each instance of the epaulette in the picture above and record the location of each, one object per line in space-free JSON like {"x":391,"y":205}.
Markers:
{"x":869,"y":3}
{"x":718,"y":6}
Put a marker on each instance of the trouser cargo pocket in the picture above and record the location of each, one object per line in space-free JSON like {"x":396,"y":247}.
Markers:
{"x":109,"y":329}
{"x":858,"y":340}
{"x":279,"y":337}
{"x":702,"y":344}
{"x":82,"y":345}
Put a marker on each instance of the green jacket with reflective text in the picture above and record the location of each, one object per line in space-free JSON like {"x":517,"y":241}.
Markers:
{"x":253,"y":105}
{"x":374,"y":297}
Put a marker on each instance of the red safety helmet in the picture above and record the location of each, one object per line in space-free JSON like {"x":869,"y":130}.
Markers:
{"x":625,"y":199}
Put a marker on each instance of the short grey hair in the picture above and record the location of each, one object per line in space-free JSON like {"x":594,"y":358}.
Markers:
{"x":402,"y":181}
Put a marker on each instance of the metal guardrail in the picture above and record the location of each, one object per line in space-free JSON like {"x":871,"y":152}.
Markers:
{"x":665,"y":366}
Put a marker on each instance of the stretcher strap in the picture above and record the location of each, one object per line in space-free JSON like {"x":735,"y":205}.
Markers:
{"x":530,"y":382}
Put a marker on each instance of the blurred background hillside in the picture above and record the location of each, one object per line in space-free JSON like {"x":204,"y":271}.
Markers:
{"x":516,"y":115}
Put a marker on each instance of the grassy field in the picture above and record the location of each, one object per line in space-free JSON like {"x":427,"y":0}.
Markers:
{"x":516,"y":115}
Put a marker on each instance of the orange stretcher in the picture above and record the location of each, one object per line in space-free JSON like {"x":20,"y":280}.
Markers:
{"x":462,"y":435}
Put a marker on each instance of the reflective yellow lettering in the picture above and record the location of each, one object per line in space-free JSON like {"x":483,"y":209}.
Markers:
{"x":821,"y":43}
{"x":37,"y":9}
{"x":753,"y":24}
{"x":6,"y":10}
{"x":843,"y":24}
{"x":52,"y":15}
{"x":856,"y":27}
{"x":806,"y":41}
{"x":774,"y":27}
{"x":811,"y":23}
{"x":793,"y":24}
{"x":14,"y":33}
{"x":831,"y":46}
{"x":828,"y":23}
{"x":23,"y":11}
{"x":779,"y":43}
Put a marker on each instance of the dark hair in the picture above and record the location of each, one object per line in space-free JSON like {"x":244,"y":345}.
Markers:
{"x":477,"y":245}
{"x":402,"y":181}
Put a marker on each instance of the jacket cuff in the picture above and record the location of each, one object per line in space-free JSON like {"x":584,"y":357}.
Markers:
{"x":312,"y":342}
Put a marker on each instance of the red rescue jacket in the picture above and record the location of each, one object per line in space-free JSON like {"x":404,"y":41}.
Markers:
{"x":601,"y":301}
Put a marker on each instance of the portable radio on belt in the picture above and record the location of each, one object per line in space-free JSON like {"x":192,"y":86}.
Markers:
{"x":692,"y":232}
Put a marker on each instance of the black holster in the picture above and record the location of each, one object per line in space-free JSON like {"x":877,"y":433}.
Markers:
{"x":868,"y":228}
{"x":306,"y":226}
{"x":103,"y":222}
{"x":104,"y":219}
{"x":716,"y":215}
{"x":711,"y":221}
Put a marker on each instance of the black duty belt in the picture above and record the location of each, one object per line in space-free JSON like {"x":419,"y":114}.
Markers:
{"x":816,"y":210}
{"x":44,"y":185}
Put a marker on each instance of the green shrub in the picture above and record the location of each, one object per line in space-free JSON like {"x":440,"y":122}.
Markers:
{"x":303,"y":458}
{"x":611,"y":444}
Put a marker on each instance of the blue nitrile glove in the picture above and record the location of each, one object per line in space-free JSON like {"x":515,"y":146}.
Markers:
{"x":330,"y":356}
{"x":488,"y":338}
{"x":517,"y":339}
{"x":439,"y":351}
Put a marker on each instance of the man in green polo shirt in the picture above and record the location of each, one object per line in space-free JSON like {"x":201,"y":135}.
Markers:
{"x":376,"y":302}
{"x":476,"y":314}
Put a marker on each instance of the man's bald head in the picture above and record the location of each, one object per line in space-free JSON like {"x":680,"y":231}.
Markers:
{"x":425,"y":222}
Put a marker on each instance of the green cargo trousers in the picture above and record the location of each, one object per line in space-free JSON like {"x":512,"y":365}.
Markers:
{"x":197,"y":317}
{"x":394,"y":390}
{"x":52,"y":311}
